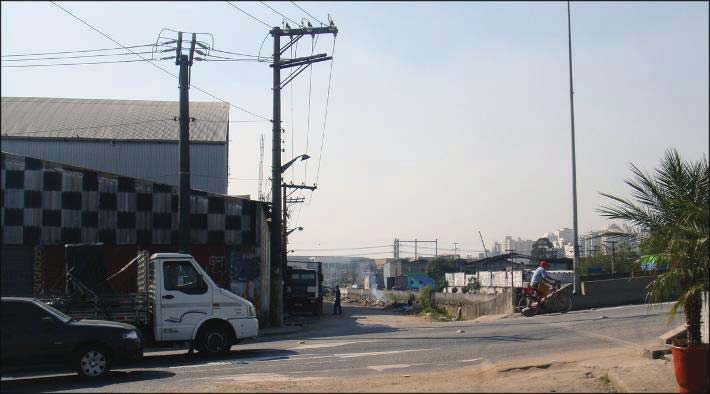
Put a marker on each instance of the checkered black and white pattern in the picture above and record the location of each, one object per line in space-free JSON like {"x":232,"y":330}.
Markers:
{"x":45,"y":203}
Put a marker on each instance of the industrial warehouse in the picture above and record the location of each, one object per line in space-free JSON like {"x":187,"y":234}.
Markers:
{"x":66,"y":184}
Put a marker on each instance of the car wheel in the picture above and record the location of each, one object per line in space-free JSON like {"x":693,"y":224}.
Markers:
{"x":93,"y":362}
{"x":213,"y":340}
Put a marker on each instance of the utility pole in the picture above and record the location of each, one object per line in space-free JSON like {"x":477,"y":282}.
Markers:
{"x":436,"y":247}
{"x":574,"y":159}
{"x":456,"y":248}
{"x":284,"y":227}
{"x":415,"y":249}
{"x":512,"y":269}
{"x":302,"y":63}
{"x":613,"y":255}
{"x":185,"y":62}
{"x":261,"y":167}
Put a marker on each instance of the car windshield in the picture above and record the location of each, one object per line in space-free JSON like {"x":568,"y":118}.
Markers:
{"x":58,"y":314}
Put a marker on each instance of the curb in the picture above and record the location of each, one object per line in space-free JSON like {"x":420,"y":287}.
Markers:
{"x":280,"y":332}
{"x":668,"y":337}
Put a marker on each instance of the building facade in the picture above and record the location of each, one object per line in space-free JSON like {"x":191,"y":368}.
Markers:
{"x":131,"y":138}
{"x":46,"y":205}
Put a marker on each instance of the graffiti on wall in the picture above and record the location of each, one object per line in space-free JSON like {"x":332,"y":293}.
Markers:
{"x":245,"y":273}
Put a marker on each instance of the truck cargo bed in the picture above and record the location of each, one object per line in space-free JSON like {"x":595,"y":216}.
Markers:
{"x":134,"y":308}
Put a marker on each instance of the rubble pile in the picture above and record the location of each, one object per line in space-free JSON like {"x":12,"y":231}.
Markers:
{"x":364,"y":300}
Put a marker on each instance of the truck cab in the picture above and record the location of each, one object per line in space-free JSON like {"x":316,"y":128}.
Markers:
{"x":304,"y":287}
{"x":188,"y":306}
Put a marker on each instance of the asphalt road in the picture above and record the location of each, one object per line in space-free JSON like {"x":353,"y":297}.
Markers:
{"x":367,"y":341}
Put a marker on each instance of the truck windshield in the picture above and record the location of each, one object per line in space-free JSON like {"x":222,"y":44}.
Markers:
{"x":305,"y":276}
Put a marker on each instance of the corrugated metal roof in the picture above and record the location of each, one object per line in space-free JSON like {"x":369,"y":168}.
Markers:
{"x":46,"y":117}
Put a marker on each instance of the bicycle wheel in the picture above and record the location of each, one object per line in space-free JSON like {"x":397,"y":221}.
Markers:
{"x":524,"y":306}
{"x":564,"y":303}
{"x":560,"y":303}
{"x":524,"y":302}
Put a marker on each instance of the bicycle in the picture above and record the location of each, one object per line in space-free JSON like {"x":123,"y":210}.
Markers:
{"x":558,"y":300}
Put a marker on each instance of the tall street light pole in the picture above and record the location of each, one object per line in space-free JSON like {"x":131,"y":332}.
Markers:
{"x":574,"y":158}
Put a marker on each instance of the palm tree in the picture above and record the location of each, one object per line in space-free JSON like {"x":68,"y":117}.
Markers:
{"x":672,"y":205}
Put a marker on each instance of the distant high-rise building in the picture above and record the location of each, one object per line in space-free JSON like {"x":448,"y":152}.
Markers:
{"x":565,"y":236}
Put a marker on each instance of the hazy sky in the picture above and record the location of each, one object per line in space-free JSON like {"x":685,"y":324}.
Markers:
{"x":444,"y":118}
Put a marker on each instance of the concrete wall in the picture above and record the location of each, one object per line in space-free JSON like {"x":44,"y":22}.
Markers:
{"x":472,"y":305}
{"x":475,"y":305}
{"x":612,"y":292}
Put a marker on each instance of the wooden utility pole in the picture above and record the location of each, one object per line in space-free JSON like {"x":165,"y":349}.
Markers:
{"x":185,"y":62}
{"x":277,"y":240}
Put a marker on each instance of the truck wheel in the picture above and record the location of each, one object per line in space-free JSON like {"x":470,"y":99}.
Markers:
{"x":213,"y":340}
{"x":93,"y":362}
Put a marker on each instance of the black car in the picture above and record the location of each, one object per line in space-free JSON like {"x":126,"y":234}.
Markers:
{"x":37,"y":336}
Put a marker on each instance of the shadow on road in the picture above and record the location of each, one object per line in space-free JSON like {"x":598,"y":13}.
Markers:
{"x":74,"y":382}
{"x":39,"y":381}
{"x":235,"y":357}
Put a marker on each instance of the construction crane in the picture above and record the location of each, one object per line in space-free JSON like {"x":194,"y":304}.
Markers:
{"x":484,"y":244}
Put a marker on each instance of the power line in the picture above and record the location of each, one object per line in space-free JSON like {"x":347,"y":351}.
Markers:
{"x":204,"y":176}
{"x":74,"y":57}
{"x":250,"y":15}
{"x":237,"y":53}
{"x":325,"y":119}
{"x":337,"y":249}
{"x":75,"y":64}
{"x":269,"y":7}
{"x":155,"y":65}
{"x":308,"y":127}
{"x":308,"y":13}
{"x":77,"y":51}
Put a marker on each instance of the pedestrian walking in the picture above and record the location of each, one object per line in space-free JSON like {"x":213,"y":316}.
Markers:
{"x":337,"y":309}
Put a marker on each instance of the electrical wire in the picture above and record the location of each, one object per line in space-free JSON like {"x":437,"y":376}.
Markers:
{"x":250,"y":15}
{"x":261,"y":46}
{"x":299,"y":24}
{"x":74,"y":57}
{"x":155,"y":65}
{"x":325,"y":118}
{"x":74,"y":64}
{"x":204,"y":176}
{"x":77,"y":51}
{"x":237,"y":53}
{"x":226,"y":60}
{"x":308,"y":13}
{"x":338,"y":249}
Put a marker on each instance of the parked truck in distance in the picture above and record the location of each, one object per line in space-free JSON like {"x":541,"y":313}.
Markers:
{"x":304,"y":287}
{"x":177,"y":302}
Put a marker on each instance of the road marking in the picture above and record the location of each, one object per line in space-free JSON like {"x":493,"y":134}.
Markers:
{"x":471,"y":360}
{"x":380,"y":368}
{"x":351,"y":355}
{"x":327,"y":344}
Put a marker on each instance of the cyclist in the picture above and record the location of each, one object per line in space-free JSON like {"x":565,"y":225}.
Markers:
{"x":541,"y":280}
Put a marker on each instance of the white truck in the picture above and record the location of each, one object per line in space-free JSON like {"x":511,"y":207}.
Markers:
{"x":177,"y":302}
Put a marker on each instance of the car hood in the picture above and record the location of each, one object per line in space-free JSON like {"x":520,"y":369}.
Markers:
{"x":233,"y":297}
{"x":102,"y":323}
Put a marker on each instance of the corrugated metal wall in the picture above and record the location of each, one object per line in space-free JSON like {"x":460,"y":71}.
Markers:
{"x":156,"y":161}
